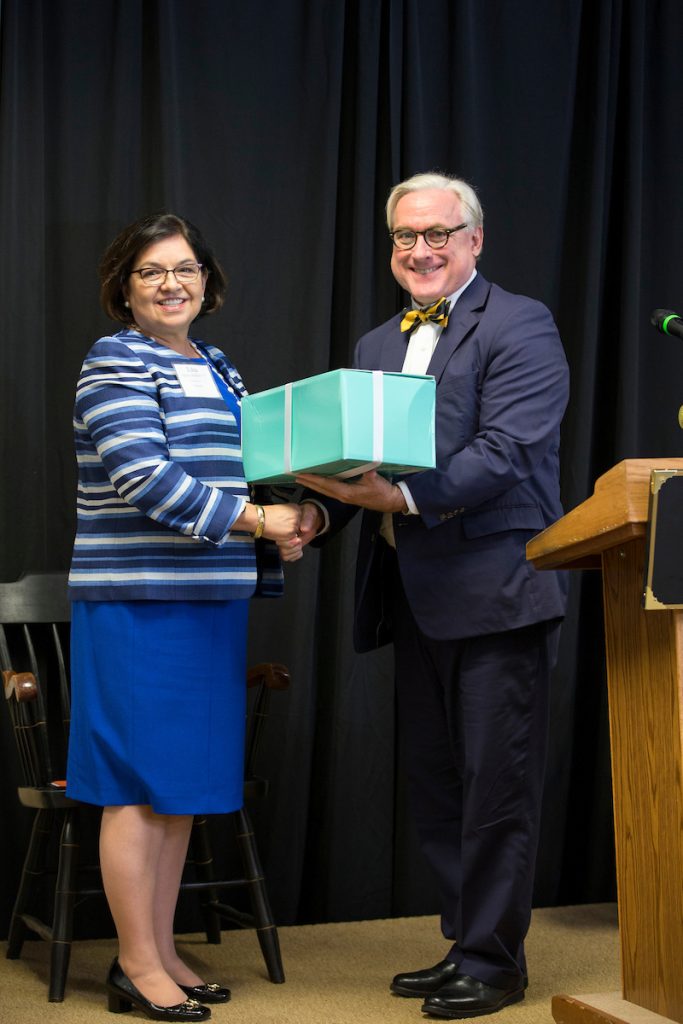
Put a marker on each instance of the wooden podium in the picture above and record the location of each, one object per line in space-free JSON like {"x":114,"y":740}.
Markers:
{"x":644,"y":652}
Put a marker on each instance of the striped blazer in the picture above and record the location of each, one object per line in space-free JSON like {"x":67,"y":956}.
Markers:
{"x":160,"y":482}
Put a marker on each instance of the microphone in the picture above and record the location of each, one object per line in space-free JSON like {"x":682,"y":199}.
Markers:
{"x":668,"y":322}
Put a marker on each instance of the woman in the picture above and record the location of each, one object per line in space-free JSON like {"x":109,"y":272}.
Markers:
{"x":164,"y":564}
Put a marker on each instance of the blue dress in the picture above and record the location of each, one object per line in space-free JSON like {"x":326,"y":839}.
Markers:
{"x":159,"y":701}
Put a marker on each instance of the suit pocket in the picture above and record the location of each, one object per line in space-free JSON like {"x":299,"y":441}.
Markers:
{"x":502,"y":519}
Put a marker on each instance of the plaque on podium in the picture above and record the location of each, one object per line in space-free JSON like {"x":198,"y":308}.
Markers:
{"x":663,"y":586}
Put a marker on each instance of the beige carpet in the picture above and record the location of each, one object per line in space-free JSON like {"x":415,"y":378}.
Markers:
{"x":336,"y":973}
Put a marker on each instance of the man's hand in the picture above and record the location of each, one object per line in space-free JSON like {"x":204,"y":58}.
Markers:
{"x":367,"y":491}
{"x":312,"y":522}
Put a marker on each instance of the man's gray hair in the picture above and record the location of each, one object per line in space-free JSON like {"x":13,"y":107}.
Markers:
{"x":468,"y":197}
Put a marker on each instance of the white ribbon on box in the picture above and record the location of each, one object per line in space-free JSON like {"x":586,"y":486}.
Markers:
{"x":377,"y":429}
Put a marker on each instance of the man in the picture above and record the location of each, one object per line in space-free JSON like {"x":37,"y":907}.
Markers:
{"x":442,"y":572}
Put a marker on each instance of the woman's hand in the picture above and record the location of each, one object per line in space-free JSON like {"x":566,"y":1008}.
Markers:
{"x":310,"y":523}
{"x":274,"y":522}
{"x":282,"y":523}
{"x":282,"y":526}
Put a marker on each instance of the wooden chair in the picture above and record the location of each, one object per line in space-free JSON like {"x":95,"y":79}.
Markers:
{"x":265,"y":678}
{"x":34,"y":660}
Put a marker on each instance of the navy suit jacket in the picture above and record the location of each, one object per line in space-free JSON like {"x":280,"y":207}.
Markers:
{"x":502,"y":385}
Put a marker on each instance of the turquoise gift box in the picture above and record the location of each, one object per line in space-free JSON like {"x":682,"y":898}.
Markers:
{"x":340,"y":423}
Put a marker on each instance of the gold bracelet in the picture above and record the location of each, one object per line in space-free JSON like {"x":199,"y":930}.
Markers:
{"x":261,"y":525}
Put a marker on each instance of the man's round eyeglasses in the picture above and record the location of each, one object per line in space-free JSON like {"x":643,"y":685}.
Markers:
{"x":185,"y":273}
{"x":436,"y":238}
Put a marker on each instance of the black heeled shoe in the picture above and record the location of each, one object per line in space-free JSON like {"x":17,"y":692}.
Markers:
{"x":211,"y":993}
{"x":123,"y":996}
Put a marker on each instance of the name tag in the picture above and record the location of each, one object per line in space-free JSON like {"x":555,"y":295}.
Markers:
{"x":196,"y":380}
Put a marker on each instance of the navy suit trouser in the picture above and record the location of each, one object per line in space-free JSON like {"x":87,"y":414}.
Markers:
{"x":473,"y":721}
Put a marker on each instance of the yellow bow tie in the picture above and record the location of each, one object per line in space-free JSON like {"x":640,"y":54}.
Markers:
{"x":436,"y":314}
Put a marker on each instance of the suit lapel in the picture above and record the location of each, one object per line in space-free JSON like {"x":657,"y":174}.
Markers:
{"x":394,"y":347}
{"x":466,"y":314}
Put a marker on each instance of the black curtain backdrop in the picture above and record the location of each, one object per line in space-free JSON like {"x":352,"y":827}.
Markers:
{"x":279,"y":128}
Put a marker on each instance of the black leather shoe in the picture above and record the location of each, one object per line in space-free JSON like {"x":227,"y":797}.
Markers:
{"x":123,"y":996}
{"x":463,"y":996}
{"x":211,"y":993}
{"x":424,"y":983}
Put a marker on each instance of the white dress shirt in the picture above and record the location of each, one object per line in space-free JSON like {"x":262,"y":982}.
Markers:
{"x":421,"y":347}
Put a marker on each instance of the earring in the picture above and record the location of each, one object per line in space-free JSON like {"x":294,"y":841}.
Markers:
{"x":127,"y":304}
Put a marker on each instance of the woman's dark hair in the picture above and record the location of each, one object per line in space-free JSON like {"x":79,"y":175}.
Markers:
{"x":120,"y":256}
